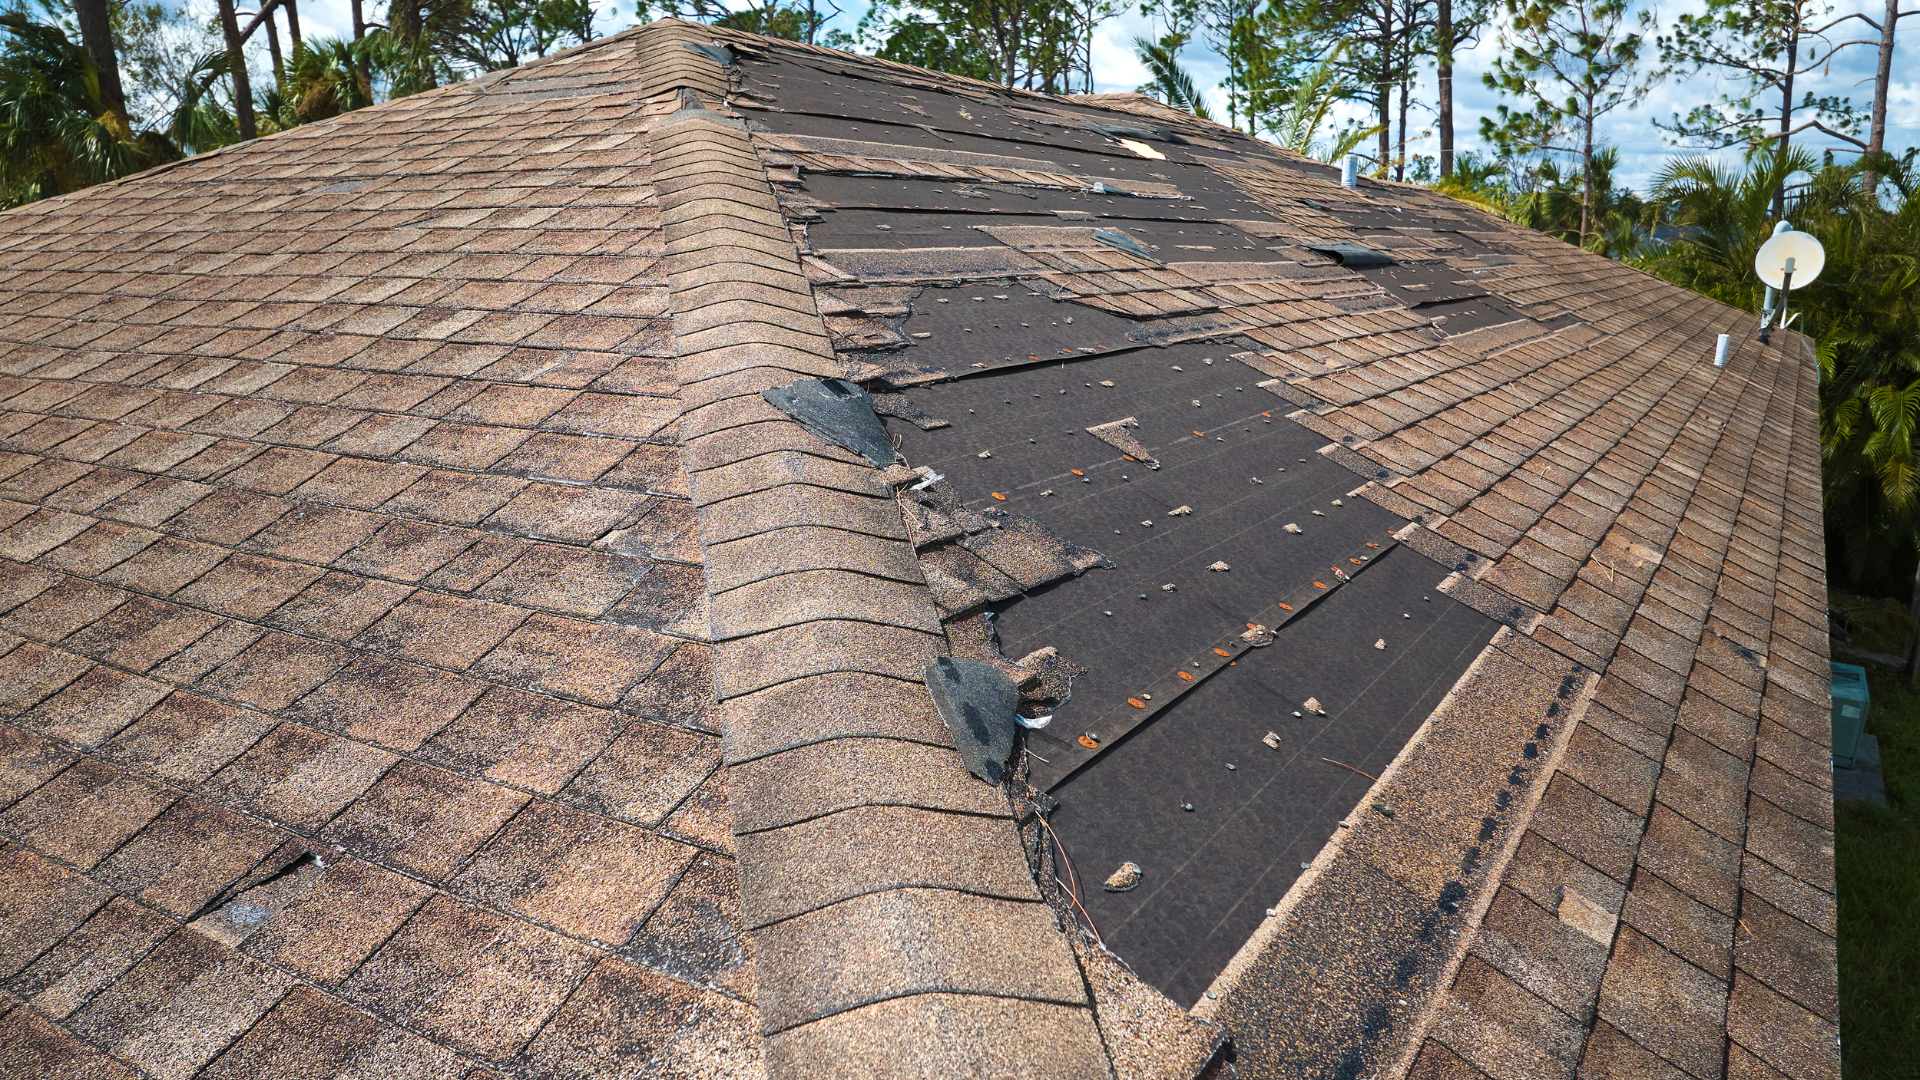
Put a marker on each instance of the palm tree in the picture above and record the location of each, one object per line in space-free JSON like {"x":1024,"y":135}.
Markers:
{"x":59,"y":128}
{"x":1864,"y":312}
{"x":1171,"y":82}
{"x":1296,"y":123}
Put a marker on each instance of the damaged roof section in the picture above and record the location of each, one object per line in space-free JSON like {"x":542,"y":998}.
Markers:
{"x":376,"y":594}
{"x":1508,"y":396}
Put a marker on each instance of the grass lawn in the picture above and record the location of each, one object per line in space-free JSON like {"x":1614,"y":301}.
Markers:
{"x":1877,"y":856}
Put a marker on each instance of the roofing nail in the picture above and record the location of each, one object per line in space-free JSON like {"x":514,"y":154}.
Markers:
{"x":1187,"y":806}
{"x":1229,"y":766}
{"x":1272,"y":911}
{"x":1106,"y":613}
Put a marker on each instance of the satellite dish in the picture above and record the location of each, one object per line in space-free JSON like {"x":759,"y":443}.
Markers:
{"x":1786,"y":246}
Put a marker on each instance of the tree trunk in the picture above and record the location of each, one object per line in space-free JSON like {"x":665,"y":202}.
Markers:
{"x":1882,"y":78}
{"x":1383,"y":105}
{"x":96,"y":33}
{"x":1586,"y":182}
{"x":1913,"y":641}
{"x":1786,"y":117}
{"x":273,"y":46}
{"x":242,"y":93}
{"x":1400,"y":148}
{"x":293,"y":22}
{"x":407,"y":21}
{"x":359,"y":21}
{"x":1443,"y":73}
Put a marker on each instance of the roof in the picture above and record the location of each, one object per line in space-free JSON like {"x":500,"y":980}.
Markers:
{"x":430,"y":653}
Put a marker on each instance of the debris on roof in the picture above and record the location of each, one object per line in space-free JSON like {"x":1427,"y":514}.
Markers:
{"x":979,"y":703}
{"x":837,"y":412}
{"x":1123,"y":879}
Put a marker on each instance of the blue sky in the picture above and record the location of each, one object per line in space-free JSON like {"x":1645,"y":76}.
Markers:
{"x":1642,"y":146}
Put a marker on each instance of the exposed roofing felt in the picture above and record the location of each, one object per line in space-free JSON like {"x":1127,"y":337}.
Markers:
{"x":430,"y":653}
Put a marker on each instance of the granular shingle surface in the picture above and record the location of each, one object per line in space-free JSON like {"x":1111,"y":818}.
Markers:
{"x":424,"y":652}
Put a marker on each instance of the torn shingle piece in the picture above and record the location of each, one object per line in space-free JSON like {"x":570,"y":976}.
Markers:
{"x":1030,"y":553}
{"x":978,"y":701}
{"x":1351,"y":254}
{"x":1115,"y":433}
{"x":838,"y":412}
{"x":888,"y":403}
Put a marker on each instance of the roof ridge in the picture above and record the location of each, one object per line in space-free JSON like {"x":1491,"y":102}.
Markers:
{"x":936,"y":949}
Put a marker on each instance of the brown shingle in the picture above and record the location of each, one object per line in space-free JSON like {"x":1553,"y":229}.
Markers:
{"x":523,"y":739}
{"x":1664,"y":1003}
{"x":86,"y":812}
{"x":298,"y":776}
{"x":186,"y":856}
{"x":473,"y":979}
{"x":625,"y":1018}
{"x":581,"y":874}
{"x":40,"y":903}
{"x":388,"y":702}
{"x":423,"y":820}
{"x":180,"y":1006}
{"x":276,"y":670}
{"x":31,"y":1048}
{"x":592,"y":662}
{"x":310,"y":1034}
{"x":442,"y":630}
{"x":347,"y":913}
{"x":89,"y":959}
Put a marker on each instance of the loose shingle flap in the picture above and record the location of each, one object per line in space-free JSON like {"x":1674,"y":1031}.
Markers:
{"x":719,"y":54}
{"x":1120,"y":241}
{"x":1352,"y":254}
{"x":838,"y":412}
{"x":1127,"y":131}
{"x":978,"y":701}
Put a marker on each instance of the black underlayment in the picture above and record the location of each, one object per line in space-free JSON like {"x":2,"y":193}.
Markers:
{"x":906,"y":193}
{"x":1246,"y":474}
{"x":1033,"y":422}
{"x":1211,"y":873}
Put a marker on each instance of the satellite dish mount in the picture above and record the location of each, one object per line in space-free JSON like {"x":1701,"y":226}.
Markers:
{"x":1788,"y":260}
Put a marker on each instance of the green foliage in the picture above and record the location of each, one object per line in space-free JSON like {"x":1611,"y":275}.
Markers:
{"x":1043,"y":45}
{"x":1877,"y":883}
{"x":199,"y":122}
{"x":1864,"y":313}
{"x":1171,"y":83}
{"x":1297,"y":121}
{"x":1569,"y":62}
{"x":58,"y":133}
{"x":327,"y":76}
{"x":1553,"y":205}
{"x":1760,"y":47}
{"x":774,"y":18}
{"x":473,"y":36}
{"x":908,"y":37}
